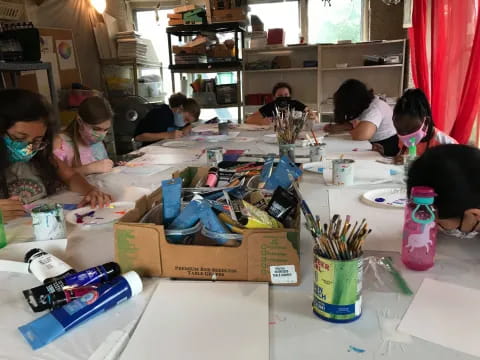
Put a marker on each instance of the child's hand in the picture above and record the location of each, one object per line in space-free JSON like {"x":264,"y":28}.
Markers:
{"x":11,"y":208}
{"x":96,"y":198}
{"x":175,"y":134}
{"x":101,"y":166}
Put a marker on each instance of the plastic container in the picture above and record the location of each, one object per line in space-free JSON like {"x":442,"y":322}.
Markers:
{"x":221,"y":238}
{"x":182,"y":236}
{"x":419,"y":230}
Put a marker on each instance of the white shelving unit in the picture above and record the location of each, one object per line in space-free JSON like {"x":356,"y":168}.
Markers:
{"x":315,"y":86}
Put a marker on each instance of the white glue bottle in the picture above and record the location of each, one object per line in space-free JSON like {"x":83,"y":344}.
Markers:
{"x":46,"y":267}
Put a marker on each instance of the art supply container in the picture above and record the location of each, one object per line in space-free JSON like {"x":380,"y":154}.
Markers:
{"x":419,"y":230}
{"x":287,"y":150}
{"x":337,"y":289}
{"x":182,"y":236}
{"x":49,"y":222}
{"x":214,"y":156}
{"x":317,"y":152}
{"x":223,"y":128}
{"x":228,"y":238}
{"x":3,"y":235}
{"x":342,"y":172}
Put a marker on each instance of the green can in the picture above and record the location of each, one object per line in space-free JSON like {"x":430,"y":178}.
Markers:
{"x":337,"y":289}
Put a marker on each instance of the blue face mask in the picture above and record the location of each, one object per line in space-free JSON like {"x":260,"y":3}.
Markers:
{"x":18,"y":151}
{"x":179,"y":120}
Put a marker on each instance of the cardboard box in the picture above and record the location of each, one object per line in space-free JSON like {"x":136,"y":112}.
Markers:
{"x":235,"y":14}
{"x":185,"y":8}
{"x":264,"y":254}
{"x":175,"y":16}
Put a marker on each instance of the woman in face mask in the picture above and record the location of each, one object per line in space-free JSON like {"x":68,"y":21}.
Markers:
{"x":453,"y":171}
{"x":412,"y":118}
{"x":282,"y":93}
{"x":28,"y":169}
{"x":81,"y":146}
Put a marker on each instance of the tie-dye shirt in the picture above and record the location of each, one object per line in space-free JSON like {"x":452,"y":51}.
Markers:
{"x":88,"y":154}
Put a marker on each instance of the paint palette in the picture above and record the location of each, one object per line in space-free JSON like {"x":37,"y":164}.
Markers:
{"x":392,"y":198}
{"x":88,"y":216}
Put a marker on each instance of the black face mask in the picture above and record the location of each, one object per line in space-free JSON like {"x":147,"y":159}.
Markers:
{"x":283,"y":101}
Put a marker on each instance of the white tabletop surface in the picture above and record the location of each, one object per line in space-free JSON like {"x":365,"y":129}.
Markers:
{"x":295,"y":332}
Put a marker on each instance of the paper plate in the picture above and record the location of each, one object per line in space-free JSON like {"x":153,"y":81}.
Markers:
{"x":392,"y":198}
{"x":178,"y":144}
{"x":315,"y":167}
{"x":272,"y":139}
{"x":88,"y":216}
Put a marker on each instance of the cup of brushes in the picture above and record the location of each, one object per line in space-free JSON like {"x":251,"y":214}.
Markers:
{"x":338,"y":268}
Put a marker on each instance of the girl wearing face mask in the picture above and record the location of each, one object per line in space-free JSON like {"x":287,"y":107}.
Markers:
{"x":412,"y":118}
{"x":453,"y":171}
{"x":28,"y":169}
{"x":81,"y":146}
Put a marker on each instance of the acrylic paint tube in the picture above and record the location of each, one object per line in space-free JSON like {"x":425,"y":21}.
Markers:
{"x":46,"y":267}
{"x":172,"y":199}
{"x":39,"y":298}
{"x":281,"y":174}
{"x":281,"y":204}
{"x":58,"y":299}
{"x":51,"y":326}
{"x":189,"y":215}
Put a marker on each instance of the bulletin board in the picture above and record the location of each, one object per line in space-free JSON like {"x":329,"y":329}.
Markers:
{"x":58,"y":47}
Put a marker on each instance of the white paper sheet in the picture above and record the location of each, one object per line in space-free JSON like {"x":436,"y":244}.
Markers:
{"x":203,"y":320}
{"x":386,"y":224}
{"x":445,"y":314}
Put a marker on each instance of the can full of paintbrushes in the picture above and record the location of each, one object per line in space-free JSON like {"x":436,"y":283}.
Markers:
{"x":337,"y":289}
{"x":49,"y":222}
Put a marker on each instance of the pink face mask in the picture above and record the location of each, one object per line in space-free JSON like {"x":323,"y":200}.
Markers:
{"x":88,"y":135}
{"x":417,"y":136}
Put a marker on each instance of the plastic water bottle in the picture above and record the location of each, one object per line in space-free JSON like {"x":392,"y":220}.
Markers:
{"x":419,"y":230}
{"x":3,"y":236}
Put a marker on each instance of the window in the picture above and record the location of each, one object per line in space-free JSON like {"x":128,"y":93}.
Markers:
{"x":341,"y":21}
{"x":279,"y":15}
{"x":148,"y":26}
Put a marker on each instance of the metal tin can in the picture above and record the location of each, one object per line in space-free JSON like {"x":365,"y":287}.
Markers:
{"x":342,"y":171}
{"x":337,"y":289}
{"x":214,"y":156}
{"x":49,"y":222}
{"x":317,"y":152}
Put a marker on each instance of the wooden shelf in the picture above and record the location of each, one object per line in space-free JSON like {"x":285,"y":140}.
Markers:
{"x":283,"y":70}
{"x":275,"y":49}
{"x":364,"y":67}
{"x":130,"y":62}
{"x":207,"y":67}
{"x":366,"y":43}
{"x":185,"y":30}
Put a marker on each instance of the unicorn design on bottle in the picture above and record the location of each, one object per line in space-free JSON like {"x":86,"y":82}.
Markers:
{"x":421,"y":240}
{"x":419,"y":229}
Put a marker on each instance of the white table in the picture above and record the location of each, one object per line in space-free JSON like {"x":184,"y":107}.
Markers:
{"x":295,"y":332}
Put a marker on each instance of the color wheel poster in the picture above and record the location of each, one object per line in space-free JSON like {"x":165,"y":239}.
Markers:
{"x":66,"y":54}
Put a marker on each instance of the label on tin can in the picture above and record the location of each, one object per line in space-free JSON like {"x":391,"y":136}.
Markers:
{"x":214,"y":156}
{"x":337,"y":289}
{"x":283,"y":274}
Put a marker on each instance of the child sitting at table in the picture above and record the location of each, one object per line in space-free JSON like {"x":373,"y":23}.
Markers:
{"x":412,"y":118}
{"x":170,"y":121}
{"x":366,"y":116}
{"x":453,"y":171}
{"x":81,"y":146}
{"x":28,"y":169}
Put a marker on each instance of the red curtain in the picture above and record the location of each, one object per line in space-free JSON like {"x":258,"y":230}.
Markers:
{"x":418,"y":46}
{"x":455,"y":62}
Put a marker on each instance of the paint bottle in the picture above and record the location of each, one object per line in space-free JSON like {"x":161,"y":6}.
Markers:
{"x":212,"y":177}
{"x":64,"y":297}
{"x":51,"y":326}
{"x":3,"y":235}
{"x":46,"y":267}
{"x":419,"y":230}
{"x":39,"y":297}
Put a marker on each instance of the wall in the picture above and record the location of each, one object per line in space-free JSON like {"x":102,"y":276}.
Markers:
{"x":386,"y":22}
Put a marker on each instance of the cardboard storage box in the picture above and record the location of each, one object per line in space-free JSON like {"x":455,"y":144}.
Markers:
{"x":264,"y":254}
